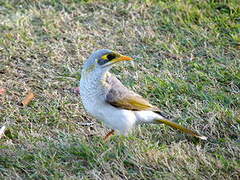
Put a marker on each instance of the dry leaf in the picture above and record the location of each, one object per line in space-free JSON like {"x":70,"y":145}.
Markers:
{"x":27,"y":99}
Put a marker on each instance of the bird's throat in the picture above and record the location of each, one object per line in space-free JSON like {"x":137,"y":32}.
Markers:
{"x":96,"y":79}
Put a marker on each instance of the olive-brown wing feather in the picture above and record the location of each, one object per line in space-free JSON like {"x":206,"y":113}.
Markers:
{"x":121,"y":97}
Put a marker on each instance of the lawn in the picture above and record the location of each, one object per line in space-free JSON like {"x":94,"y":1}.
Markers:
{"x":187,"y":62}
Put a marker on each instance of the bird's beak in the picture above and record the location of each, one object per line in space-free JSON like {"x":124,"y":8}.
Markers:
{"x":121,"y":58}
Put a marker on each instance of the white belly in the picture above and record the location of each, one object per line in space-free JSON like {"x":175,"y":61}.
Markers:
{"x":94,"y":103}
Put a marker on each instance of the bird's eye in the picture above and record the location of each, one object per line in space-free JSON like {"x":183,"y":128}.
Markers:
{"x":111,"y":56}
{"x":106,"y":58}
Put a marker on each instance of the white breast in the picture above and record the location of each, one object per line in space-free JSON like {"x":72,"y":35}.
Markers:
{"x":93,"y":95}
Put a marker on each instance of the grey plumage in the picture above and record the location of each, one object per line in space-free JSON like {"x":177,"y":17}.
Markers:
{"x":96,"y":55}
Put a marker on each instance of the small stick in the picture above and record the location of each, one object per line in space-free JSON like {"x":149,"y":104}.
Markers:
{"x":108,"y":135}
{"x":86,"y":124}
{"x":27,"y":99}
{"x":2,"y":130}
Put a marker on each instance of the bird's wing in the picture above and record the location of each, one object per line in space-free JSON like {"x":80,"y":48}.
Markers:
{"x":121,"y":97}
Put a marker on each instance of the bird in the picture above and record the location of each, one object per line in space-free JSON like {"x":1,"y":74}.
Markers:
{"x":105,"y":98}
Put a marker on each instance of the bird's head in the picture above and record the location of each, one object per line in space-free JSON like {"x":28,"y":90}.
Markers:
{"x":103,"y":60}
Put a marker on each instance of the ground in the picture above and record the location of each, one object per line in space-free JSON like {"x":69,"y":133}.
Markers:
{"x":186,"y":62}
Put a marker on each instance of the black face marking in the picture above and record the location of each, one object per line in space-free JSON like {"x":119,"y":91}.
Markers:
{"x":102,"y":61}
{"x":111,"y":56}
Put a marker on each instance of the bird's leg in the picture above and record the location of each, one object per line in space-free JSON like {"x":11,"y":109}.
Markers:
{"x":108,"y":135}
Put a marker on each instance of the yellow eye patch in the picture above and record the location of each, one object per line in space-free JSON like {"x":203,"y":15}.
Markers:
{"x":104,"y":57}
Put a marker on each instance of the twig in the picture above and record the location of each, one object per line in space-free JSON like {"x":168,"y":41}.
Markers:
{"x":86,"y":124}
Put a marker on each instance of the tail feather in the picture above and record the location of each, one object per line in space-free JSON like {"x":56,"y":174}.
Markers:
{"x":181,"y":128}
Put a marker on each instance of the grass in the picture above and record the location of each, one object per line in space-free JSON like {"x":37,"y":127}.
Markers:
{"x":186,"y":62}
